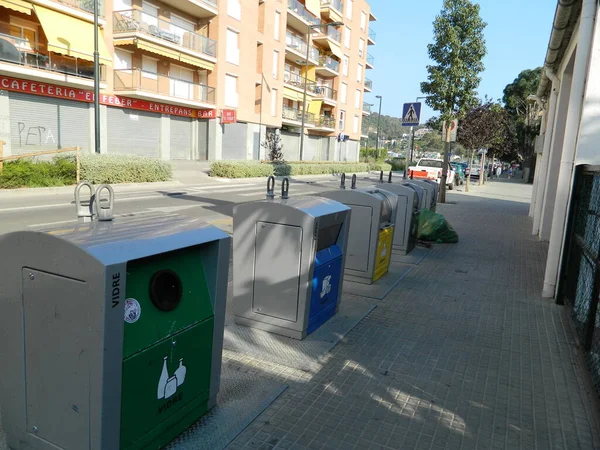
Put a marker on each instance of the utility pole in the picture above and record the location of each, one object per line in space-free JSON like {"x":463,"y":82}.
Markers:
{"x":96,"y":82}
{"x":378,"y":119}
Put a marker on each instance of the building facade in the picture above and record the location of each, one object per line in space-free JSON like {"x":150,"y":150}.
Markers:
{"x":186,"y":79}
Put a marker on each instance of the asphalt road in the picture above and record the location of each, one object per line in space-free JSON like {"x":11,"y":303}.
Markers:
{"x":212,"y":202}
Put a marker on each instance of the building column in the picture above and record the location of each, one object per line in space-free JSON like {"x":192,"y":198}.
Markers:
{"x":165,"y":137}
{"x":556,"y":148}
{"x":5,"y":123}
{"x":215,"y":140}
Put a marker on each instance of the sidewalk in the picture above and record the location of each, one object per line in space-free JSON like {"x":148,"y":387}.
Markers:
{"x":463,"y":354}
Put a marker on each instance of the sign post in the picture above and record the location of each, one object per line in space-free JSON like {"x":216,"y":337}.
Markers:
{"x":411,"y":117}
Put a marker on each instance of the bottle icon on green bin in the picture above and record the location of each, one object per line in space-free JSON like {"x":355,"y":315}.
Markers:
{"x":167,"y":386}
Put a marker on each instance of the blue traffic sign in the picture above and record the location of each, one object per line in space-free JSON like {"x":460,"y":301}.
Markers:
{"x":411,"y":114}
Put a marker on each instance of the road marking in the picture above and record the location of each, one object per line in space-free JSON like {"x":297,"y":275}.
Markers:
{"x":61,"y":222}
{"x":224,"y":188}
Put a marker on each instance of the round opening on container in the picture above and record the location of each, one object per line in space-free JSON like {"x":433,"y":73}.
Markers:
{"x":166,"y":290}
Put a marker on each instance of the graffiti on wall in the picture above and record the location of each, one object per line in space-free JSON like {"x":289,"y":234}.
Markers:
{"x":34,"y":135}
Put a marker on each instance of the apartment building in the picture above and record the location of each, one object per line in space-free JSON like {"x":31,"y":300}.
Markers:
{"x":186,"y":79}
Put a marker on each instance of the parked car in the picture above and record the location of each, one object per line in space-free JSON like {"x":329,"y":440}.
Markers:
{"x":431,"y":169}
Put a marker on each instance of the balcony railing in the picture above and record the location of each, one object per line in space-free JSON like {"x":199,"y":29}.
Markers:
{"x":85,"y":5}
{"x":296,"y":115}
{"x":298,"y":8}
{"x":333,"y":34}
{"x":372,"y":35}
{"x":336,"y":4}
{"x":136,"y":21}
{"x":139,"y":80}
{"x":370,"y":59}
{"x":297,"y":80}
{"x":30,"y":56}
{"x":326,"y":92}
{"x":325,"y":122}
{"x":368,"y":84}
{"x":367,"y":107}
{"x":295,"y":43}
{"x":330,"y":63}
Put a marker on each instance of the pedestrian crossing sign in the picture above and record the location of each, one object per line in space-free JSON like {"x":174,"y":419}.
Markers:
{"x":411,"y":114}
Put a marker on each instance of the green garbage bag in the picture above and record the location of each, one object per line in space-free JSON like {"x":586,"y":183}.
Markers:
{"x":434,"y":227}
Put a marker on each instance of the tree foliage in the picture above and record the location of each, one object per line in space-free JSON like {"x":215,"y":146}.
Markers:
{"x":484,"y":126}
{"x":524,"y":123}
{"x":457,"y":51}
{"x":274,"y":147}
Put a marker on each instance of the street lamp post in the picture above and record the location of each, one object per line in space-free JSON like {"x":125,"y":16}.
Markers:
{"x":96,"y":82}
{"x":378,"y":118}
{"x":309,"y":34}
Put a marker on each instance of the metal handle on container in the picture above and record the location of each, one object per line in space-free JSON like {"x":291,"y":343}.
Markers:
{"x":381,"y":176}
{"x":343,"y":181}
{"x":271,"y":188}
{"x":353,"y":186}
{"x":85,"y":211}
{"x":390,"y":177}
{"x":285,"y":188}
{"x":105,"y":213}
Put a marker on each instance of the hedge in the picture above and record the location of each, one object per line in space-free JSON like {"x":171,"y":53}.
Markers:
{"x":251,"y":169}
{"x":114,"y":169}
{"x":97,"y":169}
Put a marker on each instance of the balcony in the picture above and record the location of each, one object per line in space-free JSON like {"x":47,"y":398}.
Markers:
{"x":329,"y":33}
{"x":368,"y":85}
{"x":297,"y":81}
{"x":204,"y":9}
{"x":371,"y":39}
{"x":293,"y":116}
{"x":297,"y":49}
{"x":332,"y":10}
{"x":328,"y":67}
{"x":326,"y":94}
{"x":367,"y":108}
{"x":84,"y":5}
{"x":28,"y":61}
{"x":370,"y":61}
{"x":131,"y":24}
{"x":299,"y":17}
{"x":152,"y":86}
{"x":325,"y":123}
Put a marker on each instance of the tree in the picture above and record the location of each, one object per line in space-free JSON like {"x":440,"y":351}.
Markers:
{"x":457,"y":51}
{"x":274,"y":146}
{"x":524,"y":113}
{"x":483,"y":127}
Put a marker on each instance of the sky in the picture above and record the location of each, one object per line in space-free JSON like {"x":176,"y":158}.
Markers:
{"x":516,"y":36}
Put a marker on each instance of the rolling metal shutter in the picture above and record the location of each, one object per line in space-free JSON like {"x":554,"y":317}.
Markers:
{"x":203,"y":140}
{"x":132,"y":132}
{"x":181,"y":138}
{"x":291,"y":145}
{"x":43,"y":123}
{"x":234,"y":141}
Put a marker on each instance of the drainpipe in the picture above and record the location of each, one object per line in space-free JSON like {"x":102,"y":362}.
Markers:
{"x":565,"y":175}
{"x":543,"y":170}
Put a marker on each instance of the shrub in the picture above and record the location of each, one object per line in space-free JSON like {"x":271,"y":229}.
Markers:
{"x":27,"y":173}
{"x":397,"y":166}
{"x":241,"y":169}
{"x":378,"y":166}
{"x":113,"y":169}
{"x":250,"y":169}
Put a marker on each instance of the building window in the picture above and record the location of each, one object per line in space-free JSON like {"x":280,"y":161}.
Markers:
{"x":349,"y":8}
{"x":344,"y":92}
{"x":231,"y":91}
{"x":275,"y":64}
{"x":355,"y":123}
{"x":123,"y":61}
{"x":359,"y":72}
{"x":345,"y":65}
{"x":276,"y":27}
{"x":361,"y":48}
{"x":149,"y":67}
{"x":357,"y":99}
{"x":273,"y":102}
{"x":149,"y":14}
{"x":363,"y":20}
{"x":29,"y":36}
{"x":234,"y":9}
{"x":347,"y":36}
{"x":232,"y":47}
{"x":342,"y":123}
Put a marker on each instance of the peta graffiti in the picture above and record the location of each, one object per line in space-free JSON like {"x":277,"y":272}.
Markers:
{"x":36,"y":135}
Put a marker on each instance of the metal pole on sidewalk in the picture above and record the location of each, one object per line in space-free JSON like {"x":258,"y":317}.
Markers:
{"x":96,"y":82}
{"x":378,"y":119}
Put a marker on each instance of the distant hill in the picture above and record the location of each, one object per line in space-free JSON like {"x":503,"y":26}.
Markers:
{"x":390,"y":127}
